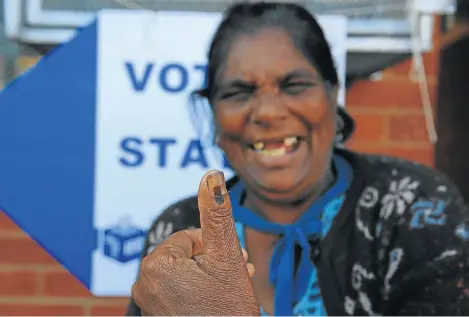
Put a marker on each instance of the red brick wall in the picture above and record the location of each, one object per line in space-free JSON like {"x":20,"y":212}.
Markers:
{"x":389,"y":120}
{"x":33,"y":283}
{"x":389,"y":113}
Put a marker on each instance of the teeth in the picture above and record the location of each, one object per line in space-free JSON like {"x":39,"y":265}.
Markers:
{"x":275,"y":152}
{"x":290,"y":141}
{"x":258,"y":146}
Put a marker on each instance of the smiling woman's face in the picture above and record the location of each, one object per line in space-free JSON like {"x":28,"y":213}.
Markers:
{"x":276,"y":117}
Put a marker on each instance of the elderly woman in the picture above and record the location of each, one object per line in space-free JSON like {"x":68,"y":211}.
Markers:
{"x":328,"y":231}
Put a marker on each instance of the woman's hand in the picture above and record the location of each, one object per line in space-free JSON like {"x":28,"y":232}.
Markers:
{"x":199,"y":272}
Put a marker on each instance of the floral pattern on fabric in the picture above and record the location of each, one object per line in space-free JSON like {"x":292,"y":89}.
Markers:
{"x":406,"y":243}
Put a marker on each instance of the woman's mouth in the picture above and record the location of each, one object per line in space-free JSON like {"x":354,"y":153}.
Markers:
{"x":276,"y":152}
{"x":277,"y":147}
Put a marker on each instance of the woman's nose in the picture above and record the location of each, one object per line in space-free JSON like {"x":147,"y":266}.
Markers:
{"x":268,"y":110}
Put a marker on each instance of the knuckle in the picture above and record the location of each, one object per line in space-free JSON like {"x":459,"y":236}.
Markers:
{"x":135,"y":291}
{"x":156,"y":266}
{"x":164,"y":263}
{"x":167,"y":254}
{"x":173,"y":254}
{"x":187,"y":233}
{"x":137,"y":296}
{"x":180,"y":237}
{"x":147,"y":267}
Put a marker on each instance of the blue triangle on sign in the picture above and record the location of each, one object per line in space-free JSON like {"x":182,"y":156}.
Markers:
{"x":47,"y":142}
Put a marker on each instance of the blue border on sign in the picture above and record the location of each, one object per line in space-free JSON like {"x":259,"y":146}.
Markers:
{"x":47,"y":152}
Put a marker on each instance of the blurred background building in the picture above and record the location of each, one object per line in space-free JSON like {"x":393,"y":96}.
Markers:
{"x":392,"y":78}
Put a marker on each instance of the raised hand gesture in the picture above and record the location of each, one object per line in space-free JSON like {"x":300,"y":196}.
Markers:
{"x":199,"y":272}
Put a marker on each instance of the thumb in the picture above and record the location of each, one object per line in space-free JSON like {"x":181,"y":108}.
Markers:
{"x":216,"y":218}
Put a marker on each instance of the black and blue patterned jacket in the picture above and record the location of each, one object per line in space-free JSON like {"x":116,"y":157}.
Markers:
{"x":397,"y":247}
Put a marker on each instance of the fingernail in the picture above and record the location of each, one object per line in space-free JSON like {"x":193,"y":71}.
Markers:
{"x":216,"y":184}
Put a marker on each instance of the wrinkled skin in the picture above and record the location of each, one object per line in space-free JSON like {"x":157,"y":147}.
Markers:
{"x":202,"y":271}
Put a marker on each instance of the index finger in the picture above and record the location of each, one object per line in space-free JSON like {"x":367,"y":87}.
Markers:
{"x":216,"y":217}
{"x":181,"y":245}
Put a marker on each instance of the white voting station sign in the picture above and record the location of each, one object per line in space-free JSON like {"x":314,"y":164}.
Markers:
{"x":116,"y":135}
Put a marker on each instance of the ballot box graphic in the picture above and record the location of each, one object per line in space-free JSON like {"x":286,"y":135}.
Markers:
{"x":123,"y":242}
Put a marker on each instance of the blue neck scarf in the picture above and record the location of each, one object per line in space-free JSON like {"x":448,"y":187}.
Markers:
{"x":289,"y":289}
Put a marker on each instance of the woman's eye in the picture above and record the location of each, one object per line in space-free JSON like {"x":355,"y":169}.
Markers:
{"x":237,"y":94}
{"x":296,"y":88}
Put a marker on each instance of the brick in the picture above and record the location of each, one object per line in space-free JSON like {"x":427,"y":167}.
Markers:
{"x":408,"y":128}
{"x":18,"y":283}
{"x":369,"y":127}
{"x":23,"y":251}
{"x":26,"y":309}
{"x":108,"y":310}
{"x":63,"y":284}
{"x":423,"y":155}
{"x":397,"y":92}
{"x":430,"y":62}
{"x":6,"y":224}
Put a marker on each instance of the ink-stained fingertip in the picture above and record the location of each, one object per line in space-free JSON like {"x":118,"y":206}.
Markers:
{"x":216,"y":185}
